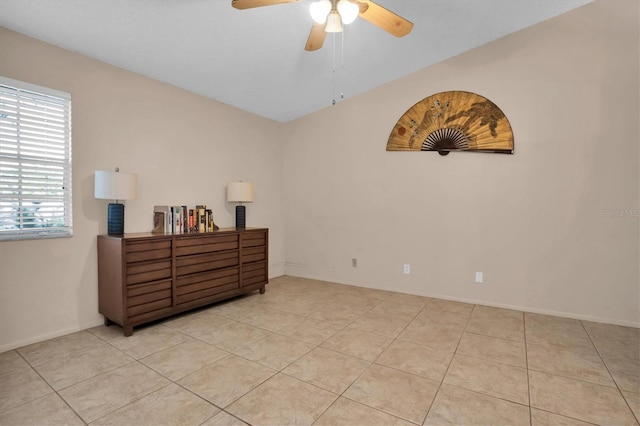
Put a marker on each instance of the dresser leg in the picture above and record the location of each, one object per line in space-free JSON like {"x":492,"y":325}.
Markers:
{"x":262,"y":289}
{"x":128,"y":330}
{"x":107,"y":322}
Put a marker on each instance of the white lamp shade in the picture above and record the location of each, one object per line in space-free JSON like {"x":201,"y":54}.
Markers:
{"x":319,"y":11}
{"x":348,"y":11}
{"x":115,"y":185}
{"x":240,"y":192}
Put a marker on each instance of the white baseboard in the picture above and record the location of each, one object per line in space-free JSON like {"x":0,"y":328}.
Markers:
{"x":47,"y":336}
{"x":533,"y":310}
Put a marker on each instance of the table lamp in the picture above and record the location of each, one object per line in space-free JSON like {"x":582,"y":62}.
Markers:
{"x":115,"y":186}
{"x":240,"y":192}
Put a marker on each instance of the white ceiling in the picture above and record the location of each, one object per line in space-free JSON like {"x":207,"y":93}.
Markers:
{"x":255,"y":59}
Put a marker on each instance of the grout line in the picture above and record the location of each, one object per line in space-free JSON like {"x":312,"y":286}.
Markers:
{"x":449,"y":365}
{"x":526,"y":363}
{"x":611,"y":375}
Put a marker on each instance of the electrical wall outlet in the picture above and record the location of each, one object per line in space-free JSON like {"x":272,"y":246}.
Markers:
{"x":354,"y":262}
{"x":479,"y":277}
{"x":407,"y":268}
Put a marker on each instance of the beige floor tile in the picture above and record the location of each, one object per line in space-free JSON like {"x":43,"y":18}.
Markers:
{"x":170,"y":405}
{"x":458,"y":406}
{"x":385,"y":324}
{"x":416,"y":359}
{"x":358,"y":343}
{"x":588,"y":368}
{"x":297,"y":305}
{"x":380,"y":387}
{"x":356,"y":303}
{"x":504,"y":328}
{"x":109,"y":391}
{"x":226,"y":380}
{"x":551,"y":322}
{"x":633,"y":399}
{"x":197,"y":325}
{"x":48,"y":410}
{"x":347,"y":412}
{"x":327,"y":369}
{"x":409,"y":299}
{"x":450,"y":306}
{"x":580,"y":400}
{"x":20,"y":387}
{"x":545,"y":418}
{"x":77,"y":366}
{"x":149,"y":340}
{"x":491,"y":378}
{"x":274,"y":351}
{"x":560,"y":338}
{"x":236,"y":308}
{"x":496,"y":313}
{"x":363,"y":293}
{"x":615,"y":348}
{"x":310,"y":330}
{"x":59,"y":347}
{"x":336,"y":314}
{"x":107,"y":333}
{"x":625,"y":371}
{"x":269,"y":319}
{"x":493,"y":349}
{"x":434,"y":317}
{"x":183,"y":359}
{"x":223,"y":419}
{"x":282,"y":400}
{"x":11,"y":362}
{"x":400,"y":310}
{"x":612,"y":331}
{"x":234,"y":335}
{"x":441,"y":337}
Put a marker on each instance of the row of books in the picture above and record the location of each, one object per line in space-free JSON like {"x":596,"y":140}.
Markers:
{"x":180,"y":219}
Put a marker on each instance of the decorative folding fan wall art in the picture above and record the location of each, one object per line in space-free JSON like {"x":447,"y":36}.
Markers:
{"x":453,"y":121}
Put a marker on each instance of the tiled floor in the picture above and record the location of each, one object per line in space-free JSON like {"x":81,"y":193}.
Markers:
{"x":310,"y":352}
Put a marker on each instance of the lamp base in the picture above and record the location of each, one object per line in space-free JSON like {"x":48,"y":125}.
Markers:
{"x":115,"y":219}
{"x":241,"y":217}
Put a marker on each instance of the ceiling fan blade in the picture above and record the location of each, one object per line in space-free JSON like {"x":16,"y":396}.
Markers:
{"x":249,"y":4}
{"x":384,"y":18}
{"x":316,"y":37}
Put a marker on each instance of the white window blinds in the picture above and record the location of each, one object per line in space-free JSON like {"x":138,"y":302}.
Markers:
{"x":35,"y":161}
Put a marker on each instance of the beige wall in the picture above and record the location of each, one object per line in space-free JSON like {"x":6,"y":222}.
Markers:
{"x":184,"y":148}
{"x":534,"y":222}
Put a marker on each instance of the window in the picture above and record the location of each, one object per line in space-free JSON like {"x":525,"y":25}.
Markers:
{"x":35,"y":161}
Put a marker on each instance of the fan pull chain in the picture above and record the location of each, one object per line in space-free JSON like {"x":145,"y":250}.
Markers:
{"x":342,"y":63}
{"x":333,"y":50}
{"x":335,"y":78}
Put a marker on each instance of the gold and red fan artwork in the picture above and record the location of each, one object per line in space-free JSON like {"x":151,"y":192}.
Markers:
{"x":452,"y":121}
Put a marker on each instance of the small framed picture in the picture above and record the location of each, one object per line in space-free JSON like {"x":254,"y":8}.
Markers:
{"x":158,"y":222}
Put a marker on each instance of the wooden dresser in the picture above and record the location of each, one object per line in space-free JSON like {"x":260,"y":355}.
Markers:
{"x":145,"y":277}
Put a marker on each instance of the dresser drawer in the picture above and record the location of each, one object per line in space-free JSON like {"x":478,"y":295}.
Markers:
{"x":140,"y":251}
{"x":197,"y":286}
{"x":254,"y":254}
{"x":254,"y":239}
{"x":145,"y":298}
{"x":206,"y":244}
{"x":148,"y":271}
{"x":205,"y":262}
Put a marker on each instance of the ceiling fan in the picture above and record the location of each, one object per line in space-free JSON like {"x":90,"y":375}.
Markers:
{"x":330,"y":15}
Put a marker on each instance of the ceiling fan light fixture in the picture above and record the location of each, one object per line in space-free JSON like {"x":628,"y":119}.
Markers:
{"x":334,"y":22}
{"x":348,"y":11}
{"x":320,"y":11}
